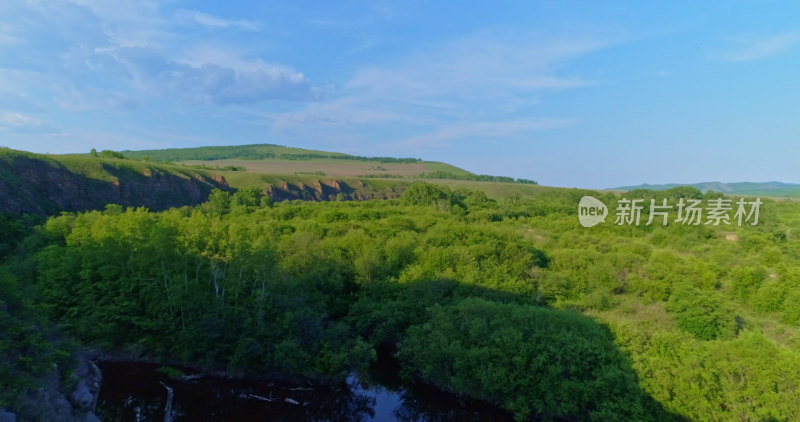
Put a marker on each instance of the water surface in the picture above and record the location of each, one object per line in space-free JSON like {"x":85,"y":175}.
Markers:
{"x":138,"y":392}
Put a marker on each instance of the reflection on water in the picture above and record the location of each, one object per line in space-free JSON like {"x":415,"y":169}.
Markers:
{"x":137,"y":392}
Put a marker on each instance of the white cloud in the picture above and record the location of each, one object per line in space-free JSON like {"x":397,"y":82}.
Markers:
{"x":14,"y":122}
{"x":102,"y":55}
{"x":205,"y":19}
{"x":484,"y":86}
{"x":18,"y":119}
{"x":214,"y":83}
{"x":484,"y":64}
{"x":755,"y":48}
{"x":128,"y":23}
{"x":8,"y":38}
{"x":483,"y":130}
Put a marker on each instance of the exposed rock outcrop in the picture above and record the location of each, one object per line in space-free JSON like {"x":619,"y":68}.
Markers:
{"x":30,"y":185}
{"x":330,"y":190}
{"x":50,"y":402}
{"x":38,"y":184}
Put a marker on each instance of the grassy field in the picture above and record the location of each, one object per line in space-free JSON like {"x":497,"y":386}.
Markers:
{"x":253,"y":152}
{"x":330,"y":167}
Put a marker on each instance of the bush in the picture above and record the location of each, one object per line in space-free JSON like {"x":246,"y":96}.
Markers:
{"x":702,"y":314}
{"x":535,"y":362}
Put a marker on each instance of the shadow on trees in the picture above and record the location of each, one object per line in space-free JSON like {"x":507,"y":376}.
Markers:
{"x":535,"y":362}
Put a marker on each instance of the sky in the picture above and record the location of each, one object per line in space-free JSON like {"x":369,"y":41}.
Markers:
{"x":591,"y":94}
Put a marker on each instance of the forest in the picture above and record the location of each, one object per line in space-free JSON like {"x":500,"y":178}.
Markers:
{"x":509,"y":301}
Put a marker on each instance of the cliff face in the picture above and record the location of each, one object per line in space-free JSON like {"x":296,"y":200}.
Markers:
{"x":48,"y":185}
{"x":330,"y":190}
{"x":33,"y":185}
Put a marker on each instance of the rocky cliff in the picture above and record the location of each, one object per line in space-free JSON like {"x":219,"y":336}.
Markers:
{"x":331,"y":190}
{"x":35,"y":184}
{"x":47,"y":185}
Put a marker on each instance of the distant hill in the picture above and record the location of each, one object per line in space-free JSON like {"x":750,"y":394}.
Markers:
{"x":253,"y":152}
{"x":277,"y":159}
{"x":741,"y":188}
{"x":159,"y":179}
{"x":48,"y":184}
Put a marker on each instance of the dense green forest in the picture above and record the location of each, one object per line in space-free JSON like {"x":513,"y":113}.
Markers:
{"x":510,"y":301}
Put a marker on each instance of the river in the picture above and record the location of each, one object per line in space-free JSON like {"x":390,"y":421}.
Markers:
{"x":139,"y":392}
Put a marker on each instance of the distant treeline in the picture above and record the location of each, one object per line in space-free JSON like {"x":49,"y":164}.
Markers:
{"x":110,"y":154}
{"x":207,"y":167}
{"x":439,"y":174}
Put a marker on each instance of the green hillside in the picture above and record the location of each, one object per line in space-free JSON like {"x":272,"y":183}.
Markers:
{"x":276,"y":159}
{"x":253,"y":152}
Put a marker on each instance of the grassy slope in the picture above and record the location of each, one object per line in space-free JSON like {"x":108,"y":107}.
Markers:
{"x":110,"y":169}
{"x":276,"y":159}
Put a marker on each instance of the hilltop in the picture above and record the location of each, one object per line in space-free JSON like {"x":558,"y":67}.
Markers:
{"x":277,"y":159}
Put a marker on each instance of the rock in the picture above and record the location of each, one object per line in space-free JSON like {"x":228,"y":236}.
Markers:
{"x":36,"y":184}
{"x":84,"y":398}
{"x":7,"y":416}
{"x":88,"y":417}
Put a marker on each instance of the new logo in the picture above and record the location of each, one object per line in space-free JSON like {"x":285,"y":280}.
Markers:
{"x":591,"y":211}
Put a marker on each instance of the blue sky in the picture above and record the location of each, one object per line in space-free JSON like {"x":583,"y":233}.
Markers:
{"x":576,"y":94}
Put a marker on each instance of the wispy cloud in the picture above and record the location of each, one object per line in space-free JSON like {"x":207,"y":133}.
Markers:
{"x":486,"y":64}
{"x":120,"y":55}
{"x":475,"y":87}
{"x":482,"y":130}
{"x":212,"y":21}
{"x":755,"y":48}
{"x":21,"y":124}
{"x":213,"y":83}
{"x":17,"y":119}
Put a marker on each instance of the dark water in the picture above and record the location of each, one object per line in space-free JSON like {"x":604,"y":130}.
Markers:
{"x":134,"y":392}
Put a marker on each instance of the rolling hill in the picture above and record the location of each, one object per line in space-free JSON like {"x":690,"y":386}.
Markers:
{"x":277,"y":159}
{"x":159,"y":179}
{"x":778,"y":189}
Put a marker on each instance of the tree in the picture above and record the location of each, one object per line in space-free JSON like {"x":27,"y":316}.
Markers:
{"x":219,"y":202}
{"x":702,"y":314}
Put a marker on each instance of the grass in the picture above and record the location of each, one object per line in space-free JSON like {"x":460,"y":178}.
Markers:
{"x":112,"y":169}
{"x":433,"y":166}
{"x":276,"y":159}
{"x":331,"y":167}
{"x":252,"y":152}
